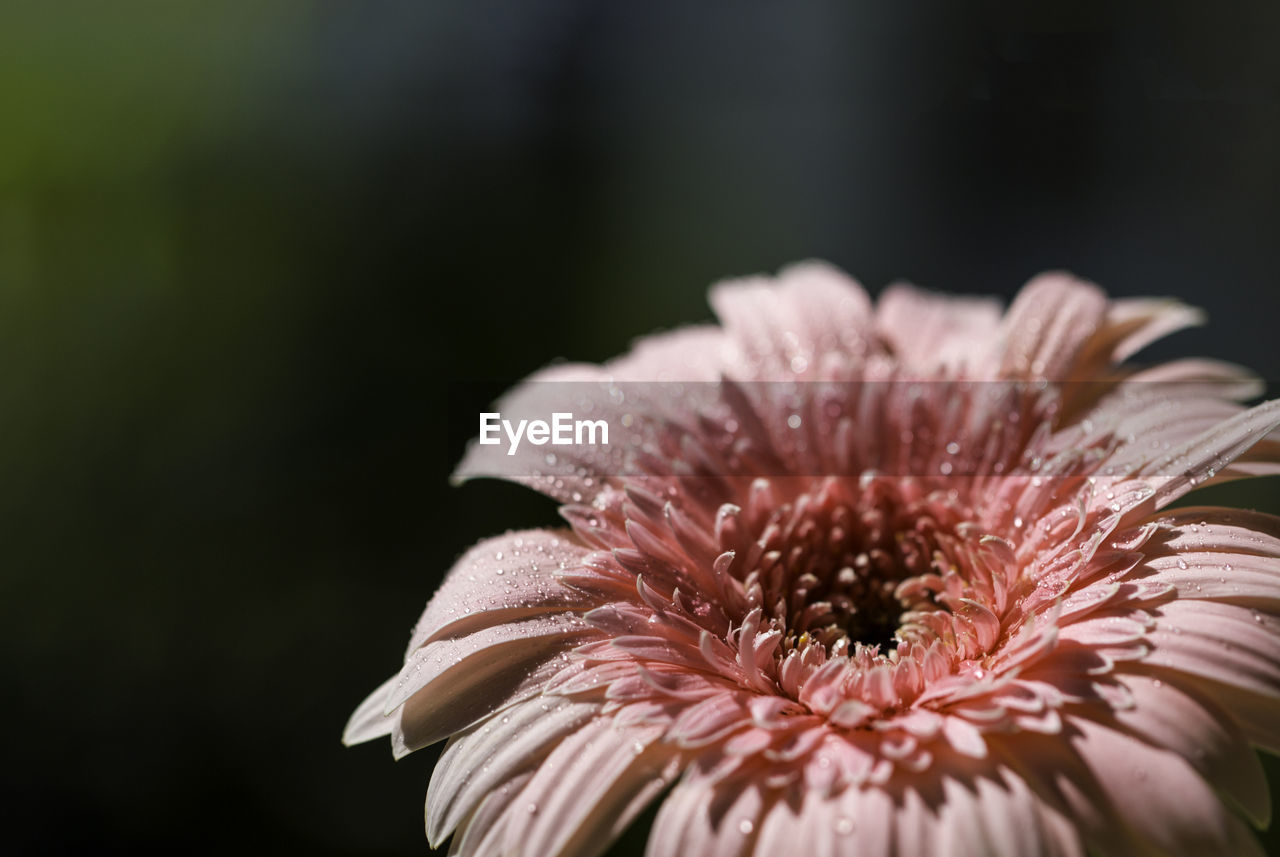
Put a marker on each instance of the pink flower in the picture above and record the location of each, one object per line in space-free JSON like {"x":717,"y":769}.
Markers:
{"x":880,"y":580}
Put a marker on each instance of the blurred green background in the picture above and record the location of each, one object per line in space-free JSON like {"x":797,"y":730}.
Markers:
{"x":262,"y":262}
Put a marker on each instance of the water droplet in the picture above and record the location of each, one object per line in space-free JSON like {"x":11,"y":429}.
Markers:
{"x":953,"y":448}
{"x":533,"y":808}
{"x":498,"y":555}
{"x":794,"y":421}
{"x":1182,"y":564}
{"x":945,"y":467}
{"x":746,"y":826}
{"x":844,"y":826}
{"x":500,"y":571}
{"x":551,"y":458}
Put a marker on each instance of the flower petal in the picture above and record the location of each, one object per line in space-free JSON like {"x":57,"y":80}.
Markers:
{"x":1134,"y":323}
{"x":449,"y":684}
{"x":708,"y":819}
{"x":829,"y":826}
{"x":929,"y":332}
{"x":1047,"y":324}
{"x":1220,"y":643}
{"x":482,"y":831}
{"x":500,"y":580}
{"x":1209,"y":454}
{"x":588,"y":790}
{"x":783,"y":327}
{"x":492,"y":753}
{"x":371,"y":720}
{"x":1195,"y":728}
{"x":1158,"y":795}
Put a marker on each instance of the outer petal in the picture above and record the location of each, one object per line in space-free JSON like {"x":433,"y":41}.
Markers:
{"x":491,"y":754}
{"x":930,"y":332}
{"x":990,"y":824}
{"x":1048,"y":323}
{"x":709,"y":819}
{"x":1131,"y":324}
{"x":588,"y":790}
{"x":1219,"y":643}
{"x":1159,"y":796}
{"x":482,"y":832}
{"x":1210,"y":454}
{"x":508,"y":580}
{"x":1224,"y":555}
{"x":449,"y":684}
{"x":785,"y":328}
{"x":501,"y":580}
{"x":1195,"y":728}
{"x":370,"y":720}
{"x":853,"y":821}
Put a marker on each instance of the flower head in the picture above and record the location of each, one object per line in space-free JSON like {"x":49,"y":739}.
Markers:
{"x":885,"y":580}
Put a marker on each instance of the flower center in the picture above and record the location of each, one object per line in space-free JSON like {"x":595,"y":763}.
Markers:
{"x":842,"y":562}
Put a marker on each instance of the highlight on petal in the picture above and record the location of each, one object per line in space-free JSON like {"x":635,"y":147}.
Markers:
{"x":886,"y":579}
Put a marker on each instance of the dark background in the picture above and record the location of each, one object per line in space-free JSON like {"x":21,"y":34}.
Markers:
{"x":257,"y":257}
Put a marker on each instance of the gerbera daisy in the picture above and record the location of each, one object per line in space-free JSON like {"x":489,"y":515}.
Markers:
{"x":880,"y":580}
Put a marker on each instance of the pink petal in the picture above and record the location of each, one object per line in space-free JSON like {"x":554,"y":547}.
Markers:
{"x":1158,"y":795}
{"x":1016,"y":822}
{"x":708,"y":820}
{"x":1197,"y":730}
{"x":1243,"y":579}
{"x":964,"y":737}
{"x":916,"y":827}
{"x":449,"y":684}
{"x":492,"y":753}
{"x":481,"y":833}
{"x":1225,"y":531}
{"x":781,"y":328}
{"x":1199,"y":460}
{"x":1047,"y":324}
{"x":1219,"y":642}
{"x":1206,"y":377}
{"x":930,"y":331}
{"x":500,"y":580}
{"x":1132,"y":324}
{"x":587,"y":791}
{"x":370,"y":720}
{"x":853,"y":821}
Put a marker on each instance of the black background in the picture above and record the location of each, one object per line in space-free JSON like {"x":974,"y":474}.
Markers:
{"x":262,"y":263}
